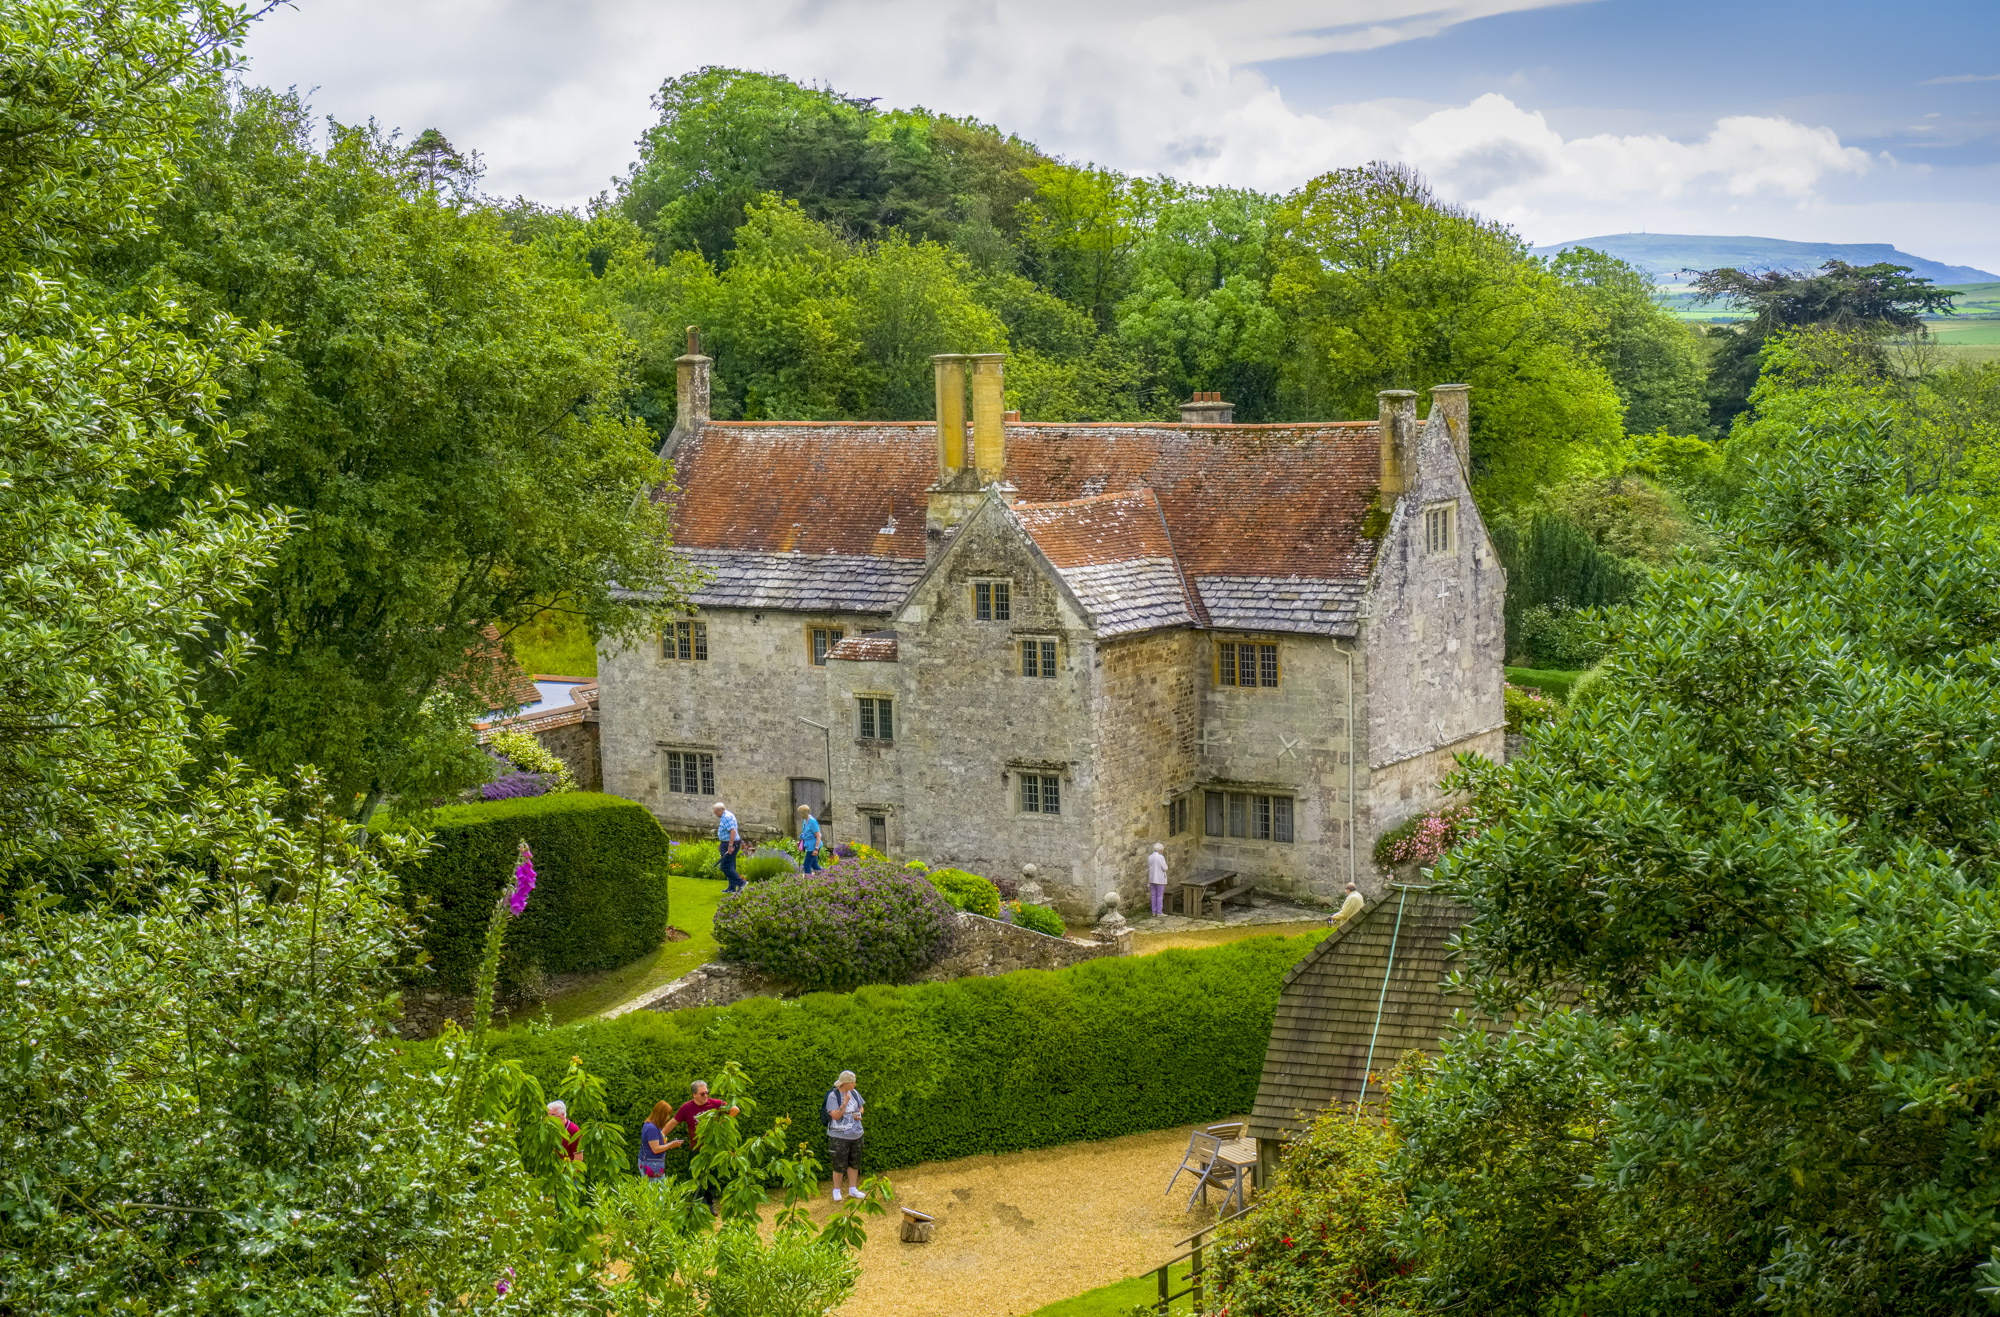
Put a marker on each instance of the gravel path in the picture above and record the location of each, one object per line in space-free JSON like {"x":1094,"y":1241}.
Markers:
{"x":1020,"y":1231}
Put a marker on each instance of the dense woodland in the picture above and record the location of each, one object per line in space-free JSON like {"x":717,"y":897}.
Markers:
{"x":290,"y":413}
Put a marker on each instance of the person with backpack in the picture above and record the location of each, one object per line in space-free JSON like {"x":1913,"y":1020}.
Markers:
{"x":841,"y":1114}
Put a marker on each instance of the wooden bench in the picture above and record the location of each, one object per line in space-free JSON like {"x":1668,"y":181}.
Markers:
{"x":1197,"y":890}
{"x":1241,"y":892}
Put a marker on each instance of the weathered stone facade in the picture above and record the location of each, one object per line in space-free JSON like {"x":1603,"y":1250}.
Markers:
{"x":1343,"y":567}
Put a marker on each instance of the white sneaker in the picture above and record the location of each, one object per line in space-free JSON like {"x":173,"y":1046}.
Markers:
{"x":836,"y":1195}
{"x":856,"y":1193}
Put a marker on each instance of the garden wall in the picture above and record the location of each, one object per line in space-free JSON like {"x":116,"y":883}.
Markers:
{"x":978,"y":1065}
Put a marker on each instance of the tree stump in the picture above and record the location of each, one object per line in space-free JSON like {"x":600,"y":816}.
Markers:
{"x":917,"y":1226}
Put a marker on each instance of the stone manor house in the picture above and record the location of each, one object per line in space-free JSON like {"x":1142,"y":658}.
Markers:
{"x":1007,"y":642}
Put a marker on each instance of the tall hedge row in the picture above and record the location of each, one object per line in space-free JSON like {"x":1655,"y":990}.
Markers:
{"x":1024,"y":1060}
{"x":600,"y":900}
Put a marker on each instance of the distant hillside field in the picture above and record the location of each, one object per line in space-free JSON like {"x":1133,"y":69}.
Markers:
{"x":1666,"y":255}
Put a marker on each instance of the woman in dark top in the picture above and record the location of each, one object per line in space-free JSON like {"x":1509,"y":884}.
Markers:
{"x":653,"y":1142}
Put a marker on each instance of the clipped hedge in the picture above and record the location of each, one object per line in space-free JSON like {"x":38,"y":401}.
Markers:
{"x":979,"y":1065}
{"x":601,"y":899}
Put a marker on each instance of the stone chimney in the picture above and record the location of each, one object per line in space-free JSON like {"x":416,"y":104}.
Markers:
{"x":691,"y":384}
{"x":949,"y":369}
{"x":989,"y":426}
{"x":1453,"y":401}
{"x":1208,"y":409}
{"x":1399,"y":439}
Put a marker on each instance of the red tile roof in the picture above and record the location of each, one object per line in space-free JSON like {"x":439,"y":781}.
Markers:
{"x":1085,"y":532}
{"x":1239,"y":500}
{"x":865,"y":649}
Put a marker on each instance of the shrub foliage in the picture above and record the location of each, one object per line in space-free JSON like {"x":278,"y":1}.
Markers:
{"x":968,"y":891}
{"x":1040,"y":918}
{"x":861,"y":921}
{"x":602,"y":900}
{"x":1025,"y":1060}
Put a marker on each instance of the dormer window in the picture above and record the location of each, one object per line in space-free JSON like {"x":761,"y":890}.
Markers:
{"x":821,"y":639}
{"x":992,"y":601}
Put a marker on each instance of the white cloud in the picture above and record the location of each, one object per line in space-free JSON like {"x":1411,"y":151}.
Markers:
{"x":553,"y":94}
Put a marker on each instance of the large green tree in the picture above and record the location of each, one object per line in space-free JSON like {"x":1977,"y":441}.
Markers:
{"x":1386,"y":287}
{"x":1656,"y":363}
{"x":1745,"y":893}
{"x":441,"y":415}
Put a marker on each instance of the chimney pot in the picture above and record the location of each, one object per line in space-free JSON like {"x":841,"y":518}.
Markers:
{"x":1398,"y":427}
{"x":691,"y":386}
{"x":1453,"y":401}
{"x":1208,"y":408}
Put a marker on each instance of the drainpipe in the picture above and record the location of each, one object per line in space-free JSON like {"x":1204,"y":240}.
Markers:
{"x":1348,"y":654}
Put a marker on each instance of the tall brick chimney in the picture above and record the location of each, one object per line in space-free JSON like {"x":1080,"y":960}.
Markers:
{"x":1399,"y":439}
{"x":1454,"y":402}
{"x":691,"y":384}
{"x":1207,"y":408}
{"x":949,"y":370}
{"x":989,"y":423}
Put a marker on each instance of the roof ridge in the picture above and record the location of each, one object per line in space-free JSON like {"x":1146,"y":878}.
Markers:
{"x":1142,"y":491}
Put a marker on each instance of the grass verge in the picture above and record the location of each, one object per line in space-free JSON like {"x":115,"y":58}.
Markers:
{"x":1115,"y":1300}
{"x":1550,"y":681}
{"x":692,"y":909}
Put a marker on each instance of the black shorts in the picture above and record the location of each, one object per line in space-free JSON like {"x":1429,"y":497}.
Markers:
{"x":845,"y":1154}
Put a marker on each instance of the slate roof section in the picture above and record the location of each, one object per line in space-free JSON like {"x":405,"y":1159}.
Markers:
{"x":805,"y":582}
{"x":1237,"y":500}
{"x":1114,"y":553}
{"x":1283,"y":603}
{"x":1326,"y":1010}
{"x":1124,"y":597}
{"x":864,"y":649}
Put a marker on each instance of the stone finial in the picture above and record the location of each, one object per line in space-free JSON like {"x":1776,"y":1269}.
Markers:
{"x":1030,"y":888}
{"x":1111,"y":923}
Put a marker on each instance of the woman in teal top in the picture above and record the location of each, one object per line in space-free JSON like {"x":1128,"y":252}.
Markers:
{"x":809,"y":838}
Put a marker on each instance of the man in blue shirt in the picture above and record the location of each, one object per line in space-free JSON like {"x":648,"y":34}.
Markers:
{"x":809,"y":842}
{"x":730,"y":841}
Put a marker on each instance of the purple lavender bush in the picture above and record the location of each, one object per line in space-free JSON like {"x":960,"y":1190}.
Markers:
{"x":511,"y":786}
{"x":860,"y":921}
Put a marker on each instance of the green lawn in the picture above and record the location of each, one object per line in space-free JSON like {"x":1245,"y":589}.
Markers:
{"x":554,"y":645}
{"x":1550,"y":681}
{"x":1115,"y":1300}
{"x":692,"y":902}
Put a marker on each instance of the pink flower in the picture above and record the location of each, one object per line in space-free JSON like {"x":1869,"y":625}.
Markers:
{"x":524,"y":880}
{"x":506,"y":1281}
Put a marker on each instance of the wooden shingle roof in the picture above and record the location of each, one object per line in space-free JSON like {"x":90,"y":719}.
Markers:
{"x":1327,"y":1009}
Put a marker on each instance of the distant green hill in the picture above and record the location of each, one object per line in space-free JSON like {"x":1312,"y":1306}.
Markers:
{"x":1666,"y":255}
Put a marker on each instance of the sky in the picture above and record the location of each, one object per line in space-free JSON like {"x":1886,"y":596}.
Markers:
{"x":1812,"y":120}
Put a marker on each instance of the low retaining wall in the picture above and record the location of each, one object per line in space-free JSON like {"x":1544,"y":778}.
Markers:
{"x":985,"y":947}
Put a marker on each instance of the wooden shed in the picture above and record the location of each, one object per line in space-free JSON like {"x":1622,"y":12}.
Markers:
{"x":1346,"y":998}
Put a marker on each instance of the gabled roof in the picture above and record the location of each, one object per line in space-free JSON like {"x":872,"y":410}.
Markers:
{"x":1327,"y":1009}
{"x":1260,"y":507}
{"x":865,"y":649}
{"x":1114,"y":553}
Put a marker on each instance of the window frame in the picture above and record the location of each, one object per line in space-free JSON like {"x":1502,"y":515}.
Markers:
{"x":1440,"y":529}
{"x":873,"y":716}
{"x":1178,"y":812}
{"x":684,"y":641}
{"x":992,"y":599}
{"x":687,"y":766}
{"x":1261,"y":657}
{"x":833,"y":636}
{"x":1043,"y":653}
{"x":1270,"y":817}
{"x":1044,"y":788}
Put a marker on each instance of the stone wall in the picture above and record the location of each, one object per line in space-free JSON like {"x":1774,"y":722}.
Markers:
{"x":984,"y":948}
{"x":1435,"y":638}
{"x":742,"y":705}
{"x":576,"y":744}
{"x":1148,"y":709}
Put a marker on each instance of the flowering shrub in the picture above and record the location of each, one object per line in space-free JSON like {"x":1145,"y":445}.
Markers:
{"x":1425,"y":838}
{"x":521,"y":752}
{"x":1038,"y":917}
{"x":1317,"y":1238}
{"x":861,"y":921}
{"x":696,"y":859}
{"x":967,"y":891}
{"x":764,"y":866}
{"x":1528,"y":707}
{"x":515,"y":786}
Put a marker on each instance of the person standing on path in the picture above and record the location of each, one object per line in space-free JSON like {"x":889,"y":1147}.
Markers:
{"x":809,"y":840}
{"x":844,"y":1106}
{"x":729,"y":841}
{"x":1156,"y":878}
{"x":691,"y":1111}
{"x":653,"y":1142}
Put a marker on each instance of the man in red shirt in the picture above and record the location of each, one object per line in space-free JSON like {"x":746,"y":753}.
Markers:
{"x":691,"y":1111}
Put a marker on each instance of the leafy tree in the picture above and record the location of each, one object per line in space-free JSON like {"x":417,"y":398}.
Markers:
{"x":441,"y":415}
{"x":1386,"y":287}
{"x":1873,"y":300}
{"x":437,"y":166}
{"x":1755,"y":867}
{"x":1655,"y":362}
{"x":94,"y":408}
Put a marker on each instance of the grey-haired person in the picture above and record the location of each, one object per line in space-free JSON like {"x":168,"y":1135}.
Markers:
{"x":844,"y":1106}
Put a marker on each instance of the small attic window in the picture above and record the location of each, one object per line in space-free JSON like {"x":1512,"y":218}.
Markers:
{"x":992,"y":601}
{"x":1441,"y":529}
